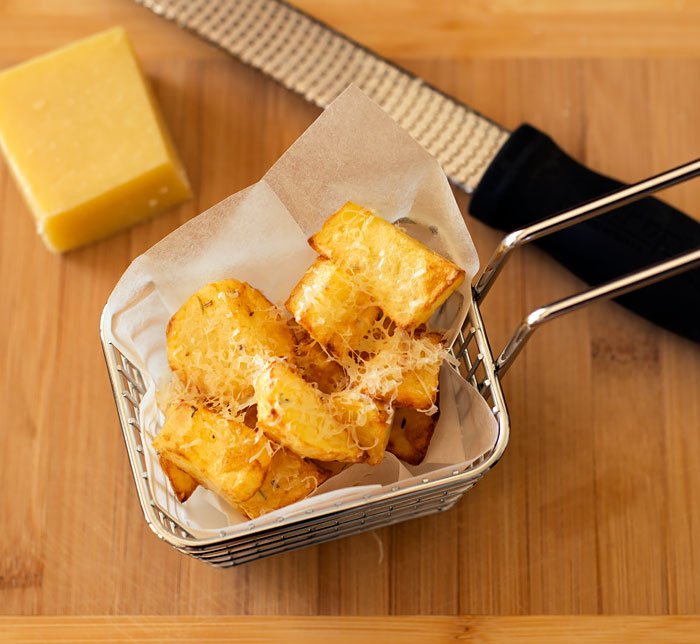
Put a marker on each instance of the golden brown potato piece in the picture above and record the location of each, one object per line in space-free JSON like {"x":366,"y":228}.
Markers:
{"x":295,"y":414}
{"x":416,"y":384}
{"x":334,"y":310}
{"x":371,"y":422}
{"x":411,"y":432}
{"x":419,"y":388}
{"x":315,"y":365}
{"x":217,"y":338}
{"x":182,"y":484}
{"x":340,"y":316}
{"x":289,"y":479}
{"x":404,"y":277}
{"x":222,"y":455}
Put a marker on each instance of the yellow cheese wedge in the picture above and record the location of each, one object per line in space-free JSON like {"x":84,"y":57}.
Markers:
{"x":85,"y":141}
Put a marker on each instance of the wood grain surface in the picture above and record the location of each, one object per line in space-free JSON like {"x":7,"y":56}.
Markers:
{"x":595,"y":508}
{"x":348,"y":630}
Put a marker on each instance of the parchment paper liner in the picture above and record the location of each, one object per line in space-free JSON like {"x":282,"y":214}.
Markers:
{"x":353,"y":152}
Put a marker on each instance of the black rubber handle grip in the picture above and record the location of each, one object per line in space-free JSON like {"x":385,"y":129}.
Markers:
{"x":531,"y":179}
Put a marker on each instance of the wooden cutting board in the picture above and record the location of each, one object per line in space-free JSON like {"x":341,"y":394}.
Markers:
{"x":595,"y":507}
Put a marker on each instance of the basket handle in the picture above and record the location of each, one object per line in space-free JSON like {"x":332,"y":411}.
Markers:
{"x":545,"y":227}
{"x":606,"y":291}
{"x":609,"y":290}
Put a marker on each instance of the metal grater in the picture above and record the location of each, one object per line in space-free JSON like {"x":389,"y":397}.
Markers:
{"x":312,"y":59}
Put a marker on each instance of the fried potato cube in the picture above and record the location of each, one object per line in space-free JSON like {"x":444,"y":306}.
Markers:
{"x":181,"y":483}
{"x":217,"y":338}
{"x":411,"y":432}
{"x":404,"y":277}
{"x":340,"y":315}
{"x":419,"y":377}
{"x":371,"y":422}
{"x":289,"y":479}
{"x":315,"y":365}
{"x":419,"y":388}
{"x":330,"y":305}
{"x":295,"y":414}
{"x":223,"y":455}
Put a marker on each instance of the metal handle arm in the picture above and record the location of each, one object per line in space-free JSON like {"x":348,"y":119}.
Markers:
{"x":581,"y":213}
{"x":606,"y":291}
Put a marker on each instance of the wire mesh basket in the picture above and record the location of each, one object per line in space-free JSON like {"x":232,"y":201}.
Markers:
{"x":432,"y":493}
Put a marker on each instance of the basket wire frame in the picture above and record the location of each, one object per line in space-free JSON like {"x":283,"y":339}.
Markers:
{"x":433,"y":493}
{"x":437,"y":491}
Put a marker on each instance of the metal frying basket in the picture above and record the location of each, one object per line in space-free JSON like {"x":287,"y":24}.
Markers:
{"x":437,"y":491}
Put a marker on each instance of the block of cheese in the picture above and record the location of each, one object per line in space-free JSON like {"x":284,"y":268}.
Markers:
{"x":85,"y":140}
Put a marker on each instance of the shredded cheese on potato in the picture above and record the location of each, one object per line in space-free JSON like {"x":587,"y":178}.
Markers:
{"x":378,"y":360}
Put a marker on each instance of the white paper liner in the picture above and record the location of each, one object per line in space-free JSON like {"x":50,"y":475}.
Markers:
{"x":353,"y":152}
